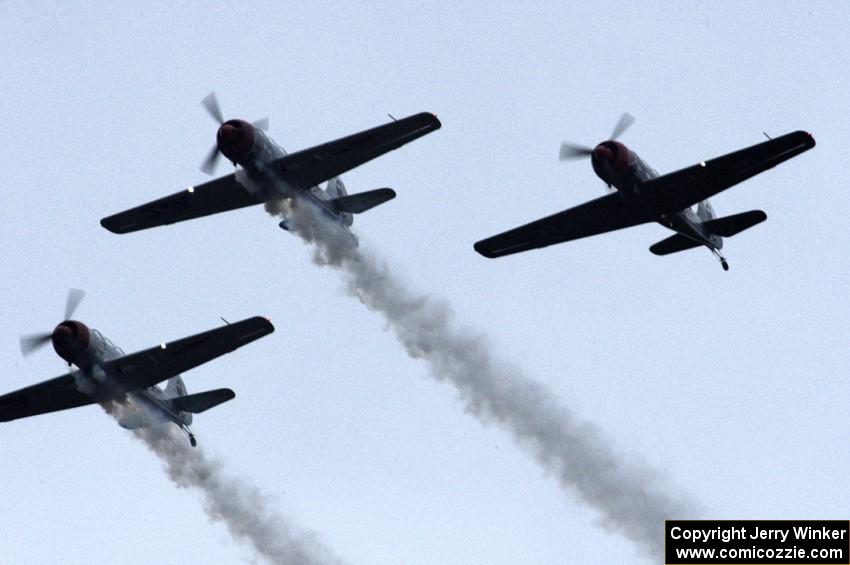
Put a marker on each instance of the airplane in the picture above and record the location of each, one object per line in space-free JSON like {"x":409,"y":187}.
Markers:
{"x":106,"y":374}
{"x":643,"y":196}
{"x":269,"y":173}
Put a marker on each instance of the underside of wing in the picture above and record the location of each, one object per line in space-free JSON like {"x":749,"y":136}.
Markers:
{"x":146,"y":368}
{"x":678,"y":190}
{"x":320,"y":163}
{"x":604,"y":214}
{"x":212,"y":197}
{"x":49,"y":396}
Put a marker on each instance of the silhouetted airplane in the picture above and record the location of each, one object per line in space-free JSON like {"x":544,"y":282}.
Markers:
{"x":106,"y":374}
{"x":272,"y":174}
{"x":644,"y":196}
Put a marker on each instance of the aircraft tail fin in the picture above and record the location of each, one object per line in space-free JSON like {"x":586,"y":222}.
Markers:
{"x":705,"y":211}
{"x":335,"y":188}
{"x":736,"y":223}
{"x":674,"y":244}
{"x":362,"y":201}
{"x":175,"y":387}
{"x":199,"y":402}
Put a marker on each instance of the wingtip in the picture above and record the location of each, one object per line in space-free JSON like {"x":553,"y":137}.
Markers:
{"x":482,"y":250}
{"x":107,"y":224}
{"x":262,"y":323}
{"x":429,"y":117}
{"x":809,"y":139}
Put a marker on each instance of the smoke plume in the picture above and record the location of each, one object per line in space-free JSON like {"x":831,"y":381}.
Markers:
{"x":239,"y":505}
{"x":630,"y":499}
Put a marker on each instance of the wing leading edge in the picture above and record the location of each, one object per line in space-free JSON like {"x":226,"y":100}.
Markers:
{"x":323,"y":162}
{"x":151,"y":366}
{"x":608,"y":213}
{"x":678,"y":190}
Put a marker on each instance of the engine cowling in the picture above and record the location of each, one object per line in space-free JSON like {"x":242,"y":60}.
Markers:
{"x":611,"y":161}
{"x":235,"y":139}
{"x":70,"y":340}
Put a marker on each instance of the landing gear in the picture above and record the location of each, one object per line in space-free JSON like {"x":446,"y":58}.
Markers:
{"x":192,"y":441}
{"x":722,"y":259}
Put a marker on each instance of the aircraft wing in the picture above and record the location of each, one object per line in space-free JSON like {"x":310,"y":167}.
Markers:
{"x":323,"y":162}
{"x":604,"y":214}
{"x":49,"y":396}
{"x":146,"y":368}
{"x":218,"y":195}
{"x":678,"y":190}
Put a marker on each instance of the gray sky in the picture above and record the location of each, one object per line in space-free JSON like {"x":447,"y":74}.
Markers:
{"x":732,"y":384}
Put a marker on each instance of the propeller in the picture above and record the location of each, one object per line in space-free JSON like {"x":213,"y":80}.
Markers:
{"x":570,"y":151}
{"x":211,"y":105}
{"x":29,"y":343}
{"x":32,"y":342}
{"x":211,"y":160}
{"x":75,"y":296}
{"x":626,"y":121}
{"x":210,"y":102}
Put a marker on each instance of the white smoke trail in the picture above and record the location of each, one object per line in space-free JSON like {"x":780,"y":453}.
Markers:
{"x":630,"y":498}
{"x":241,"y":506}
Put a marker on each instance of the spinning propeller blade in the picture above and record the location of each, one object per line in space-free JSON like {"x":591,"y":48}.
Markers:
{"x":32,"y":342}
{"x":210,"y":102}
{"x":626,"y":120}
{"x":211,"y":160}
{"x":570,"y":151}
{"x":75,"y":296}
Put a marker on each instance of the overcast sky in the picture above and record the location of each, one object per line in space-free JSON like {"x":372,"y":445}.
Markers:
{"x":732,"y":385}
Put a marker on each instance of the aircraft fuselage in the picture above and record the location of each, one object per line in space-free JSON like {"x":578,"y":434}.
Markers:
{"x":89,"y":350}
{"x":251,"y":148}
{"x":622,"y":168}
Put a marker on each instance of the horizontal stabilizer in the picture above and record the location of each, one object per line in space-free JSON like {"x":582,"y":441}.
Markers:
{"x":730,"y":225}
{"x":362,"y":201}
{"x":197,"y":403}
{"x":673,"y":244}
